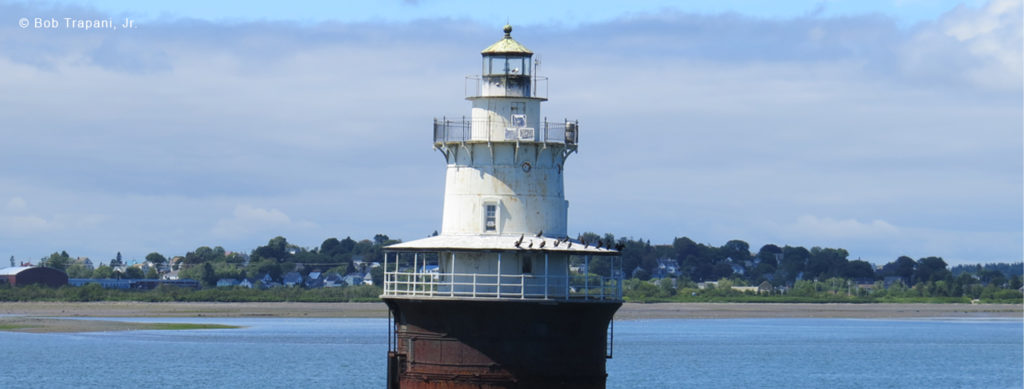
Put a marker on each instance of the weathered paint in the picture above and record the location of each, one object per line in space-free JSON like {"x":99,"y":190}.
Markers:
{"x":506,"y":344}
{"x":506,"y":45}
{"x":543,"y":340}
{"x":522,"y":176}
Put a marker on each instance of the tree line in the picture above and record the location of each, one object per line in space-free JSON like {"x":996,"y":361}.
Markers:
{"x":209,"y":264}
{"x":734,"y":261}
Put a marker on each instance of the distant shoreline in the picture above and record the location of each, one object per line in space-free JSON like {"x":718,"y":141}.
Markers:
{"x":629,"y":311}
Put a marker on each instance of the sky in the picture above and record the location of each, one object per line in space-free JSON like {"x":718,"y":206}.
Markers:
{"x":886,"y":128}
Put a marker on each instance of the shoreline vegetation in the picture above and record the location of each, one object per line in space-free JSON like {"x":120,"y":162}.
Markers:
{"x":41,"y":325}
{"x":44,"y":317}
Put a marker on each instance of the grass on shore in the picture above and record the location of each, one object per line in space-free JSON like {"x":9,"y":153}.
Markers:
{"x":188,"y":326}
{"x":49,"y":325}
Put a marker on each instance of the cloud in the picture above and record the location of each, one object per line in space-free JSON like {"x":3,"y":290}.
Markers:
{"x":709,"y":126}
{"x":21,"y":224}
{"x":16,"y":204}
{"x":247,"y":220}
{"x":810,"y":226}
{"x":979,"y":46}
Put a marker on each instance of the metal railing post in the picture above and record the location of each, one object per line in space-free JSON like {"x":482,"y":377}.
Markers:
{"x":499,"y":274}
{"x":452,"y":271}
{"x":566,"y":278}
{"x":522,"y":286}
{"x":546,"y":276}
{"x":586,"y":277}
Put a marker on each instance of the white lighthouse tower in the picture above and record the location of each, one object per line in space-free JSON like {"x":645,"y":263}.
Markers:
{"x":503,"y":296}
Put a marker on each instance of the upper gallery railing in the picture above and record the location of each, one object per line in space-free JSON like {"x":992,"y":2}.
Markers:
{"x":462,"y":130}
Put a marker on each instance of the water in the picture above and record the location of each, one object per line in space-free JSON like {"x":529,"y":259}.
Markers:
{"x":350,"y":353}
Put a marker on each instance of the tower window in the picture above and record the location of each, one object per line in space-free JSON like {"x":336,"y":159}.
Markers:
{"x":490,"y":217}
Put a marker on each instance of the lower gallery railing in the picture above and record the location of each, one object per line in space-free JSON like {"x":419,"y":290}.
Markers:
{"x":506,"y":286}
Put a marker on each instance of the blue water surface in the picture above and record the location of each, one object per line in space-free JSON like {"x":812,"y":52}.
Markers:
{"x":664,"y":353}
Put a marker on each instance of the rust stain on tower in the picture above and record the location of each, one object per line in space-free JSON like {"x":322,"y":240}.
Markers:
{"x":503,"y":297}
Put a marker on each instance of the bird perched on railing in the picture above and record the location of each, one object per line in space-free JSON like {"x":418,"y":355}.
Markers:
{"x":557,"y":241}
{"x":539,"y":234}
{"x":599,"y":243}
{"x":542,"y":243}
{"x":520,"y":241}
{"x":531,"y":245}
{"x":619,"y":246}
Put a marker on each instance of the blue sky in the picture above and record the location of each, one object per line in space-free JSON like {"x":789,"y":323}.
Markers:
{"x":563,"y":13}
{"x":885,"y":128}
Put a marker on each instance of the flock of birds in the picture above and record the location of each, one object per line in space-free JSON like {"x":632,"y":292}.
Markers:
{"x":598,"y":243}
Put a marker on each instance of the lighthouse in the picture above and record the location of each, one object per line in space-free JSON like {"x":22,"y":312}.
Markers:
{"x":503,"y":297}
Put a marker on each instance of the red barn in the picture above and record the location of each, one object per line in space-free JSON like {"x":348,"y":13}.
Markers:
{"x":27,"y":275}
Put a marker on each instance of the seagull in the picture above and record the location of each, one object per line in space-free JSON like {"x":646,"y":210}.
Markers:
{"x":599,"y":243}
{"x":539,"y":234}
{"x":585,"y":244}
{"x":531,"y":244}
{"x":520,"y":241}
{"x":569,"y":246}
{"x":557,"y":241}
{"x":542,"y":243}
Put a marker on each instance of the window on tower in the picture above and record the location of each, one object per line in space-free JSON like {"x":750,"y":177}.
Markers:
{"x":490,"y":218}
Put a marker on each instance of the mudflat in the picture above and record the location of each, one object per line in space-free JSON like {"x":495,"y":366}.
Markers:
{"x":629,"y":311}
{"x":851,"y":311}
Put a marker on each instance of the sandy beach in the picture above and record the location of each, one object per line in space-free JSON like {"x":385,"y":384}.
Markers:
{"x":629,"y":311}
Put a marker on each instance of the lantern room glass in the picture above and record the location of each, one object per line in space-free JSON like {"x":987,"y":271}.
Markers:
{"x":507,"y":65}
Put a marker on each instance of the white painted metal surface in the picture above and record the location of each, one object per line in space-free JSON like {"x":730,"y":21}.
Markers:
{"x":505,"y":217}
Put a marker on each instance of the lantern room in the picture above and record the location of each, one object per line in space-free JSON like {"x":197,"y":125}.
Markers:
{"x":506,"y":68}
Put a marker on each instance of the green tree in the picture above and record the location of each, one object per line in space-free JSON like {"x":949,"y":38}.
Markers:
{"x":858,"y":269}
{"x":152,"y":274}
{"x":794,"y":259}
{"x":133,"y":272}
{"x":769,"y":254}
{"x":641,"y":274}
{"x":825,"y":263}
{"x":117,"y":261}
{"x":265,"y":266}
{"x":330,"y":247}
{"x":902,"y":267}
{"x":276,"y":248}
{"x":346,"y":245}
{"x":377,"y":274}
{"x":103,"y":271}
{"x":931,"y":269}
{"x":156,"y":259}
{"x":738,"y":250}
{"x":207,"y":275}
{"x":1015,"y":282}
{"x":59,"y":261}
{"x":667,"y":287}
{"x":804,"y":288}
{"x":79,"y":270}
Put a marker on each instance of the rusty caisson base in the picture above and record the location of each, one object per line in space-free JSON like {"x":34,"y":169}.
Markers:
{"x":457,"y":344}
